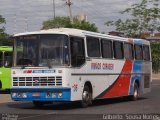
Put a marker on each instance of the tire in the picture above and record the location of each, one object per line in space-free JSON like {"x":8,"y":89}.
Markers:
{"x":86,"y":97}
{"x":136,"y":94}
{"x":38,"y":104}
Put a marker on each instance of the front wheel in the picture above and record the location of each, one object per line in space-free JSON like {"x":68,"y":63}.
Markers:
{"x":86,"y":97}
{"x":136,"y":93}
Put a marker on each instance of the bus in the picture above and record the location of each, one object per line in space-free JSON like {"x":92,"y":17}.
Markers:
{"x":67,"y":64}
{"x":5,"y":67}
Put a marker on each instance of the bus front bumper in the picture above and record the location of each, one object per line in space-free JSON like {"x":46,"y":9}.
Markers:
{"x":41,"y":94}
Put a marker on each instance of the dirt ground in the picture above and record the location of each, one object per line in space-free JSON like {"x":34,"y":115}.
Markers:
{"x":5,"y":98}
{"x":156,"y":76}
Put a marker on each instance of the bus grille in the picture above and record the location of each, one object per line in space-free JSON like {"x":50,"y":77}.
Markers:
{"x":37,"y":81}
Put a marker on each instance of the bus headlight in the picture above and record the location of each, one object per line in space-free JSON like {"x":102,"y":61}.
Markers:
{"x":48,"y":94}
{"x":54,"y":95}
{"x":24,"y":95}
{"x":14,"y":94}
{"x":60,"y":94}
{"x":19,"y":95}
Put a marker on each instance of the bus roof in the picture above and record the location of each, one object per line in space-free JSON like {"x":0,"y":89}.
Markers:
{"x":6,"y":48}
{"x":81,"y":33}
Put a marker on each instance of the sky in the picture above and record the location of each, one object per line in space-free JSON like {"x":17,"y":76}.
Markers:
{"x":28,"y":15}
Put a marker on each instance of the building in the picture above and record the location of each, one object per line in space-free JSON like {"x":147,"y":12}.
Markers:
{"x":152,"y":37}
{"x":81,"y":17}
{"x":114,"y":33}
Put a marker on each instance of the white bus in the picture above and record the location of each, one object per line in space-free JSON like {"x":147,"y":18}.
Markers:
{"x":75,"y":65}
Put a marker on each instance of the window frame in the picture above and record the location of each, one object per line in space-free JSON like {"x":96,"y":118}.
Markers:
{"x":84,"y":50}
{"x":102,"y":51}
{"x":10,"y":54}
{"x":133,"y":55}
{"x":122,"y":50}
{"x":147,"y":53}
{"x":99,"y":41}
{"x":135,"y":51}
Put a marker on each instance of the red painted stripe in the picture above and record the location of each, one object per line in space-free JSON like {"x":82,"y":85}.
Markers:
{"x":121,"y":87}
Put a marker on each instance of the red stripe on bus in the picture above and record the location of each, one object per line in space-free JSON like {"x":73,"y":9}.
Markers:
{"x":121,"y":87}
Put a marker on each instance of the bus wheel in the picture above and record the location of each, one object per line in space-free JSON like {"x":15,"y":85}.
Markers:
{"x":135,"y":95}
{"x":86,"y":97}
{"x":38,"y":104}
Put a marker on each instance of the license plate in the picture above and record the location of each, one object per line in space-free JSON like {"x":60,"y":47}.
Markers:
{"x":35,"y":94}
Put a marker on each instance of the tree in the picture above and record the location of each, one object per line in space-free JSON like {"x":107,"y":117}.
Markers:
{"x":3,"y":35}
{"x":2,"y":29}
{"x":145,"y":16}
{"x":155,"y":47}
{"x":66,"y":23}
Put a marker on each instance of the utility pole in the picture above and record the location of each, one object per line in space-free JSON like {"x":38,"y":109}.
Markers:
{"x":69,"y":3}
{"x":54,"y":9}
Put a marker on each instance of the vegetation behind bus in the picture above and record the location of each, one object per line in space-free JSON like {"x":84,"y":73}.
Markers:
{"x":144,"y":17}
{"x":66,"y":23}
{"x":155,"y":47}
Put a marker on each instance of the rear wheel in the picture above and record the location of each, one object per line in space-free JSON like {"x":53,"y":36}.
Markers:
{"x":136,"y":93}
{"x":86,"y":97}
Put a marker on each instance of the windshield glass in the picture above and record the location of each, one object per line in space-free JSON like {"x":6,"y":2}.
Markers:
{"x":7,"y":59}
{"x":42,"y":50}
{"x":1,"y":59}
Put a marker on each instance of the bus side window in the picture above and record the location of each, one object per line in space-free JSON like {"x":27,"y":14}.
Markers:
{"x":138,"y":52}
{"x":106,"y":46}
{"x":118,"y":50}
{"x":77,"y":51}
{"x":8,"y":59}
{"x":93,"y":47}
{"x":128,"y":51}
{"x":146,"y":53}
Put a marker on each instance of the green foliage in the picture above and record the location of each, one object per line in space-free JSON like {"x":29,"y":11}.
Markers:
{"x":66,"y":23}
{"x":145,"y":16}
{"x":155,"y":47}
{"x":2,"y":20}
{"x":3,"y":36}
{"x":56,"y":23}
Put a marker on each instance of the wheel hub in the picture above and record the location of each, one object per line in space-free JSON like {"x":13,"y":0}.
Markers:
{"x":85,"y":95}
{"x":135,"y":93}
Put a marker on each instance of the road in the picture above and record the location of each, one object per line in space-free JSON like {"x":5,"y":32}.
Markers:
{"x":147,"y":104}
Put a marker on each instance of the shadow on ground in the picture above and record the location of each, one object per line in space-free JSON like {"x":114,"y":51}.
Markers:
{"x":69,"y":105}
{"x":4,"y":91}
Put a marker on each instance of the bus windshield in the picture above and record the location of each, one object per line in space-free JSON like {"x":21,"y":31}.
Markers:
{"x":5,"y":59}
{"x":42,"y":50}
